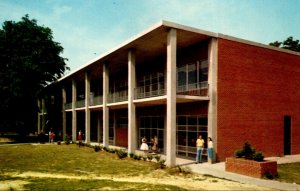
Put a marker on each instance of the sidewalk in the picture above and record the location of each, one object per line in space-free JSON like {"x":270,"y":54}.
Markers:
{"x":218,"y":170}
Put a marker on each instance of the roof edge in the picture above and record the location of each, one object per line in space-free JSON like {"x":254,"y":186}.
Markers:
{"x":180,"y":27}
{"x":227,"y":37}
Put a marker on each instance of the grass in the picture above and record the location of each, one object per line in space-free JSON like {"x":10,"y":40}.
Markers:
{"x":289,"y":173}
{"x":81,"y":167}
{"x":71,"y":160}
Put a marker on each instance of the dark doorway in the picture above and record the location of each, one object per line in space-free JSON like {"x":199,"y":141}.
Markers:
{"x":287,"y":135}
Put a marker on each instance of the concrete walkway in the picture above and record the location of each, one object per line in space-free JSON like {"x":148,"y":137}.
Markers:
{"x":218,"y":170}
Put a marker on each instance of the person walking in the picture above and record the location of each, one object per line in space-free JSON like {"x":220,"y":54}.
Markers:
{"x":52,"y":135}
{"x":79,"y":138}
{"x":210,"y":150}
{"x":200,"y":146}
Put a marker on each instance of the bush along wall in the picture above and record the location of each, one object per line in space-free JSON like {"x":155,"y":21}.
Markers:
{"x":248,"y":161}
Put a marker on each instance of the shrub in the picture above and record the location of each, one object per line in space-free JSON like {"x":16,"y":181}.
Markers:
{"x":67,"y":140}
{"x":162,"y":164}
{"x":157,"y":157}
{"x":131,"y":155}
{"x":97,"y":148}
{"x":248,"y":151}
{"x":137,"y":157}
{"x":121,"y":154}
{"x":258,"y":156}
{"x":182,"y":169}
{"x":239,"y":153}
{"x":150,"y":157}
{"x":269,"y":176}
{"x":111,"y":150}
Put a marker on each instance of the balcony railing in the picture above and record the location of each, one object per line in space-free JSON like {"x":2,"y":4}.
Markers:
{"x":97,"y":100}
{"x":197,"y":89}
{"x":117,"y":96}
{"x":68,"y":105}
{"x":151,"y":90}
{"x":80,"y":103}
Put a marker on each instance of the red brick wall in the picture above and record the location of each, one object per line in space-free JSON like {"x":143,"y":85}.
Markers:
{"x":257,"y":87}
{"x":251,"y":168}
{"x":122,"y":137}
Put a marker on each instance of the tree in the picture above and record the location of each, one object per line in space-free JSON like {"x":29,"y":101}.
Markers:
{"x":29,"y":60}
{"x":289,"y":44}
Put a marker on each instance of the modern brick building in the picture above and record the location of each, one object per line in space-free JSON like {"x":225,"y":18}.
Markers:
{"x":176,"y":82}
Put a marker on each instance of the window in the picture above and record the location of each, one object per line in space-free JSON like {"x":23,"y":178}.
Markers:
{"x":187,"y":131}
{"x":151,"y":126}
{"x":192,"y":76}
{"x":150,"y":85}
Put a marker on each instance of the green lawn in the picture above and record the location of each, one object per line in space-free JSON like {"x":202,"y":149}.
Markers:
{"x":70,"y":160}
{"x":68,"y":167}
{"x":289,"y":173}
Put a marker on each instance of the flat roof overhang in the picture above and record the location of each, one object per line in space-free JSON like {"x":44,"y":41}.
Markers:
{"x":146,"y":45}
{"x":152,"y":43}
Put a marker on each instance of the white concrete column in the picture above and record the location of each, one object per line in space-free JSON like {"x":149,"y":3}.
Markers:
{"x":212,"y":92}
{"x":87,"y":109}
{"x":74,"y":113}
{"x":171,"y":98}
{"x":39,"y":118}
{"x":105,"y":108}
{"x":64,"y":115}
{"x":132,"y":131}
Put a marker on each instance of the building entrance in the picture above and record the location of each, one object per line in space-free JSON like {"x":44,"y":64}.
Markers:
{"x":287,"y":135}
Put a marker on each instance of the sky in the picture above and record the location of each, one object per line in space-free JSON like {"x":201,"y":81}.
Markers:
{"x":87,"y":29}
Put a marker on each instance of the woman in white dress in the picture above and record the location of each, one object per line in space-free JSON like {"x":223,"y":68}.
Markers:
{"x":144,"y":146}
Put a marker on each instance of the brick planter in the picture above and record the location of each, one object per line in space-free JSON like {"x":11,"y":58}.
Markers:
{"x":250,"y":167}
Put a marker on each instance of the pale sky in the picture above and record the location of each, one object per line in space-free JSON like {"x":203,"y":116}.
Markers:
{"x":88,"y":28}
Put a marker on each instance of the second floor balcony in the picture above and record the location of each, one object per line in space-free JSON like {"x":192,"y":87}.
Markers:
{"x":196,"y":89}
{"x":143,"y":92}
{"x":152,"y":90}
{"x":118,"y":96}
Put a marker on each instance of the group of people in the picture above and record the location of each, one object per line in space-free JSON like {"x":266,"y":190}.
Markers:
{"x":200,"y":146}
{"x":154,"y":144}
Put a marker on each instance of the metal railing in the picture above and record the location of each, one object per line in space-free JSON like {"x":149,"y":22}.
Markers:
{"x":97,"y":100}
{"x":151,"y":90}
{"x":68,"y":105}
{"x":80,"y":103}
{"x":196,"y":89}
{"x":117,"y":96}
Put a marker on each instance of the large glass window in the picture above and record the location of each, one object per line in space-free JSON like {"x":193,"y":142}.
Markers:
{"x":111,"y":131}
{"x":150,"y":85}
{"x":187,"y":131}
{"x":151,"y":126}
{"x":191,"y":77}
